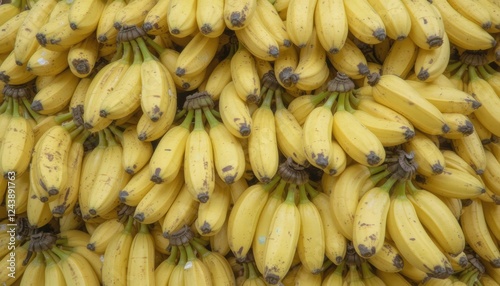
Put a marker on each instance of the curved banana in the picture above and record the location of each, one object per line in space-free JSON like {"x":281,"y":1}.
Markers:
{"x":155,"y":22}
{"x":57,"y":95}
{"x":395,"y":17}
{"x":300,"y":21}
{"x":388,"y":258}
{"x":470,"y":148}
{"x":427,"y":27}
{"x":234,"y":112}
{"x":401,"y":58}
{"x":364,"y":21}
{"x":8,"y":31}
{"x":137,"y":187}
{"x":76,"y":269}
{"x":244,"y":75}
{"x":430,"y":64}
{"x":141,"y":260}
{"x":82,"y":15}
{"x":105,"y":30}
{"x":196,"y":55}
{"x":181,"y":17}
{"x":103,"y":234}
{"x":350,"y":60}
{"x":485,"y":94}
{"x":182,"y":212}
{"x":133,"y":13}
{"x":213,"y":213}
{"x":452,"y":183}
{"x":238,"y":13}
{"x":330,"y":21}
{"x":195,"y":271}
{"x":273,"y":23}
{"x":210,"y":17}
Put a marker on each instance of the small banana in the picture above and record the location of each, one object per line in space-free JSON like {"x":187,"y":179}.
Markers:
{"x":82,"y":15}
{"x":429,"y":64}
{"x":235,"y":114}
{"x":472,"y":151}
{"x":350,"y":60}
{"x":196,"y":55}
{"x":485,"y":94}
{"x":133,"y":13}
{"x":75,"y":268}
{"x":397,"y":21}
{"x":82,"y":56}
{"x":105,"y":30}
{"x":137,"y":187}
{"x":331,"y":24}
{"x":244,"y":75}
{"x":155,"y":22}
{"x":452,"y":183}
{"x":8,"y":31}
{"x":273,"y":23}
{"x":103,"y":234}
{"x":401,"y":57}
{"x":238,"y":14}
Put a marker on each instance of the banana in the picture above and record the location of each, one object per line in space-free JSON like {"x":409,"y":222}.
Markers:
{"x":284,"y":233}
{"x":103,"y":234}
{"x":335,"y":242}
{"x":219,"y":241}
{"x":196,"y":55}
{"x":82,"y":15}
{"x":177,"y":274}
{"x":486,"y":95}
{"x":105,"y":30}
{"x":427,"y":26}
{"x":57,"y":95}
{"x":10,"y":10}
{"x":388,"y":258}
{"x":12,"y":73}
{"x":141,"y":259}
{"x":20,"y":252}
{"x":8,"y":31}
{"x":234,"y":112}
{"x":72,"y":220}
{"x":476,"y":233}
{"x":401,"y":58}
{"x":317,"y":134}
{"x":47,"y":62}
{"x":93,"y":258}
{"x":483,"y":133}
{"x":35,"y":271}
{"x":155,"y":22}
{"x":126,"y":98}
{"x":460,"y":126}
{"x":471,"y":150}
{"x":53,"y":273}
{"x":370,"y":219}
{"x":395,"y":16}
{"x":411,"y":238}
{"x":244,"y":75}
{"x":136,"y":153}
{"x":452,"y":183}
{"x":392,"y":279}
{"x":273,"y":23}
{"x":491,"y":211}
{"x":474,"y":11}
{"x":429,"y":64}
{"x":446,"y":99}
{"x":195,"y":271}
{"x":17,"y":145}
{"x":212,"y":214}
{"x":219,"y":77}
{"x":182,"y":212}
{"x":82,"y":56}
{"x":150,"y":130}
{"x":238,"y":14}
{"x":219,"y":267}
{"x":75,"y":268}
{"x":487,"y":280}
{"x":431,"y":212}
{"x":133,"y":13}
{"x":116,"y":256}
{"x":244,"y":216}
{"x":156,"y":203}
{"x":330,"y":21}
{"x":284,"y":66}
{"x":210,"y":17}
{"x":164,"y":270}
{"x":26,"y":42}
{"x":358,"y":142}
{"x":311,"y":242}
{"x":364,"y":21}
{"x":350,"y":60}
{"x":300,"y":16}
{"x":311,"y":71}
{"x":490,"y":175}
{"x":369,"y":105}
{"x":394,"y":92}
{"x":137,"y":187}
{"x":181,"y":17}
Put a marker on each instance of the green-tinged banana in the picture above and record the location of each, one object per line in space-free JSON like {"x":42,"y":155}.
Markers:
{"x":460,"y":126}
{"x":396,"y":19}
{"x":370,"y":219}
{"x":12,"y":73}
{"x":57,"y":95}
{"x":244,"y":217}
{"x":137,"y":187}
{"x":195,"y":271}
{"x":53,"y":273}
{"x":8,"y":31}
{"x":300,"y":21}
{"x":262,"y":143}
{"x":350,"y":60}
{"x":17,"y":145}
{"x":156,"y":203}
{"x":470,"y":148}
{"x":126,"y":98}
{"x":182,"y":212}
{"x":335,"y":277}
{"x":82,"y":56}
{"x":166,"y":267}
{"x":75,"y":268}
{"x":311,"y":242}
{"x":331,"y":25}
{"x":394,"y":92}
{"x":177,"y":275}
{"x":103,"y":234}
{"x":26,"y":42}
{"x":258,"y":40}
{"x":116,"y":256}
{"x":85,"y":14}
{"x":238,"y":14}
{"x":400,"y":58}
{"x":452,"y":183}
{"x":462,"y":31}
{"x":181,"y":17}
{"x":199,"y":169}
{"x":196,"y":55}
{"x":273,"y":23}
{"x":317,"y":134}
{"x":446,"y":99}
{"x":427,"y":27}
{"x":335,"y":242}
{"x":105,"y":30}
{"x":486,"y":95}
{"x":141,"y":260}
{"x":234,"y":112}
{"x":210,"y":17}
{"x":10,"y":10}
{"x":311,"y":71}
{"x":411,"y":239}
{"x":431,"y":212}
{"x":357,"y":140}
{"x":244,"y":75}
{"x":430,"y":64}
{"x":477,"y":235}
{"x":364,"y":21}
{"x":133,"y":13}
{"x":284,"y":232}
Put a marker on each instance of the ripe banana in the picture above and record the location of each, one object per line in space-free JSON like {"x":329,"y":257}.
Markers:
{"x":196,"y":55}
{"x":330,"y":21}
{"x":401,"y":58}
{"x":234,"y":112}
{"x":105,"y":30}
{"x":430,"y":64}
{"x":350,"y":60}
{"x":133,"y":13}
{"x":141,"y":258}
{"x":182,"y":212}
{"x":210,"y":17}
{"x":155,"y":22}
{"x":213,"y":213}
{"x":82,"y":56}
{"x":427,"y":27}
{"x":238,"y":14}
{"x":57,"y":95}
{"x":472,"y":151}
{"x":138,"y":186}
{"x":486,"y":95}
{"x":300,"y":21}
{"x":181,"y":17}
{"x":75,"y":268}
{"x":8,"y":31}
{"x":103,"y":234}
{"x":244,"y":75}
{"x":452,"y":183}
{"x":364,"y":21}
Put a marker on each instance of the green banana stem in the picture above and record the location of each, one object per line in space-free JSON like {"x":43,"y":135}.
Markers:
{"x":110,"y":138}
{"x":136,"y":52}
{"x":15,"y":108}
{"x":183,"y":255}
{"x":341,"y":106}
{"x":76,"y":132}
{"x":174,"y":252}
{"x":212,"y":121}
{"x":331,"y":100}
{"x":473,"y":74}
{"x":199,"y":248}
{"x":59,"y":119}
{"x":387,"y":186}
{"x":190,"y":253}
{"x":9,"y":104}
{"x":268,"y":99}
{"x":316,"y":99}
{"x":198,"y":120}
{"x":144,"y":228}
{"x":144,"y":50}
{"x":290,"y":195}
{"x":460,"y":71}
{"x":453,"y":66}
{"x":252,"y":274}
{"x":377,"y":169}
{"x":38,"y":117}
{"x":270,"y":186}
{"x":279,"y":99}
{"x":117,"y":132}
{"x":102,"y":139}
{"x":159,"y":49}
{"x":303,"y":199}
{"x":215,"y":113}
{"x":489,"y":69}
{"x":120,"y":49}
{"x":347,"y":103}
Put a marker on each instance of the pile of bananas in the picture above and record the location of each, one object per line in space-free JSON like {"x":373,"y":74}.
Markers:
{"x":250,"y":142}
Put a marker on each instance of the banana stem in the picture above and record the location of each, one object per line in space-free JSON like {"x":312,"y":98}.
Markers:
{"x":110,"y":139}
{"x":326,"y":265}
{"x":252,"y":274}
{"x":212,"y":121}
{"x":377,"y":169}
{"x":117,"y":132}
{"x":268,"y":99}
{"x":102,"y":139}
{"x":316,"y":99}
{"x":59,"y":119}
{"x":186,"y":123}
{"x":130,"y":224}
{"x":311,"y":191}
{"x":290,"y":195}
{"x":365,"y":270}
{"x":287,"y":98}
{"x":144,"y":228}
{"x":278,"y":191}
{"x":473,"y":74}
{"x":354,"y":274}
{"x":279,"y":99}
{"x":174,"y":252}
{"x":411,"y":187}
{"x":127,"y":51}
{"x":387,"y":186}
{"x":136,"y":52}
{"x":76,"y":132}
{"x":453,"y":66}
{"x":484,"y":73}
{"x":198,"y":119}
{"x":70,"y":126}
{"x":119,"y":52}
{"x":50,"y":257}
{"x":353,"y":99}
{"x":400,"y":189}
{"x":9,"y":105}
{"x":245,"y":270}
{"x":17,"y":3}
{"x":347,"y":103}
{"x":59,"y":252}
{"x":341,"y":106}
{"x":199,"y":248}
{"x":489,"y":69}
{"x":303,"y":199}
{"x":379,"y":176}
{"x":159,"y":49}
{"x":215,"y":113}
{"x":190,"y":253}
{"x":270,"y":186}
{"x":33,"y":114}
{"x":201,"y":241}
{"x":183,"y":255}
{"x":179,"y":114}
{"x":460,"y":72}
{"x":340,"y":269}
{"x":144,"y":50}
{"x":4,"y":105}
{"x":15,"y":108}
{"x":331,"y":100}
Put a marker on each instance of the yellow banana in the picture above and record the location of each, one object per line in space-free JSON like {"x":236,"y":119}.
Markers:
{"x":491,"y":211}
{"x":57,"y":95}
{"x":481,"y":130}
{"x":75,"y":268}
{"x":392,"y":279}
{"x":105,"y":30}
{"x":471,"y":150}
{"x":137,"y":187}
{"x":182,"y":212}
{"x":284,"y":66}
{"x":177,"y":274}
{"x":350,"y":60}
{"x":82,"y":56}
{"x":486,"y":95}
{"x":53,"y":273}
{"x":136,"y":153}
{"x":12,"y":73}
{"x":429,"y":64}
{"x":490,"y":176}
{"x":364,"y":21}
{"x":218,"y":78}
{"x":103,"y":234}
{"x":141,"y":260}
{"x":150,"y":130}
{"x":8,"y":31}
{"x":133,"y":13}
{"x":427,"y":27}
{"x":395,"y":17}
{"x":83,"y":16}
{"x":10,"y":10}
{"x":210,"y":17}
{"x":401,"y":58}
{"x":35,"y":271}
{"x":47,"y":62}
{"x":219,"y":241}
{"x":238,"y":14}
{"x":217,"y":264}
{"x":452,"y":183}
{"x":234,"y":112}
{"x":155,"y":22}
{"x":460,"y":126}
{"x":273,"y":23}
{"x":181,"y":17}
{"x":166,"y":267}
{"x":244,"y":75}
{"x":331,"y":24}
{"x":196,"y":55}
{"x":212,"y":214}
{"x":388,"y":258}
{"x":19,"y":266}
{"x":300,"y":21}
